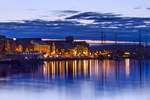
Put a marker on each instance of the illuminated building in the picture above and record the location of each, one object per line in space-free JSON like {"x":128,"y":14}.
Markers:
{"x":68,"y":47}
{"x":80,"y":50}
{"x":53,"y":49}
{"x":7,"y":46}
{"x":19,"y":48}
{"x":2,"y":44}
{"x":41,"y":46}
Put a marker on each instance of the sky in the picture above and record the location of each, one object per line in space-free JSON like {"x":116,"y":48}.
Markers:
{"x":34,"y":9}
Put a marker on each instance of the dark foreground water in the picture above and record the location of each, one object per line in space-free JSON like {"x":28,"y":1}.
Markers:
{"x":76,"y":80}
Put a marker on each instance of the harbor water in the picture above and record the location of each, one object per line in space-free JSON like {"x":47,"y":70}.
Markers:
{"x":76,"y":80}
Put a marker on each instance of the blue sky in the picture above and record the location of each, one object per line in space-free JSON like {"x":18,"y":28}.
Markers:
{"x":33,"y":9}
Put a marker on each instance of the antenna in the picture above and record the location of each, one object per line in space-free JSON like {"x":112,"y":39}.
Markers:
{"x":116,"y":38}
{"x":102,"y":37}
{"x":116,"y":41}
{"x":140,"y":38}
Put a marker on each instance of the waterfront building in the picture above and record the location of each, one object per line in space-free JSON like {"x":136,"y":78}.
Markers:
{"x":7,"y":46}
{"x":2,"y":45}
{"x":68,"y":47}
{"x":53,"y":49}
{"x":41,"y":47}
{"x":19,"y":48}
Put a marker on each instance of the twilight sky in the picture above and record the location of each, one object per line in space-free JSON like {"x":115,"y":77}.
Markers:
{"x":34,"y":9}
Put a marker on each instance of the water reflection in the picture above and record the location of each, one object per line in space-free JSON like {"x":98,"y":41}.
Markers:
{"x":81,"y":70}
{"x":78,"y":76}
{"x":93,"y":70}
{"x":127,"y":65}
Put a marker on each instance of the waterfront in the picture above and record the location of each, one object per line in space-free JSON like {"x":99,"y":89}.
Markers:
{"x":36,"y":49}
{"x":76,"y":80}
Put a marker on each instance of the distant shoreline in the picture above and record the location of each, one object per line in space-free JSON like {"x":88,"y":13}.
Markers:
{"x":96,"y":41}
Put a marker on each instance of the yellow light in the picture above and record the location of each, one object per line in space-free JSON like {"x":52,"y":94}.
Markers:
{"x":14,"y":39}
{"x":127,"y":53}
{"x":109,"y":55}
{"x":75,"y":52}
{"x":46,"y":55}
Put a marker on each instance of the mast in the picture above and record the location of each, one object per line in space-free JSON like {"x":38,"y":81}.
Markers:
{"x":116,"y":39}
{"x":102,"y":37}
{"x":140,"y":38}
{"x":140,"y":53}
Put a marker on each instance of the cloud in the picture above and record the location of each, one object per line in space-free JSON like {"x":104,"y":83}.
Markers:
{"x":43,"y":16}
{"x":81,"y":25}
{"x":148,"y":8}
{"x":137,"y":8}
{"x":64,"y":13}
{"x":32,"y":9}
{"x":70,"y":11}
